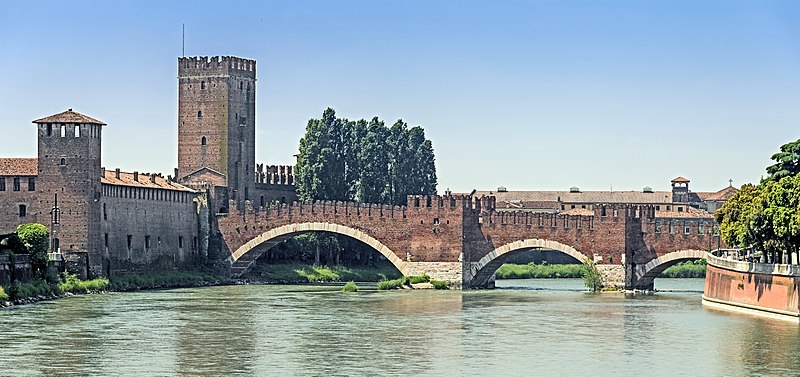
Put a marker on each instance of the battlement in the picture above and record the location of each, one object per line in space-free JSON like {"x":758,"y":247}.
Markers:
{"x":275,"y":174}
{"x":204,"y":65}
{"x":439,"y":201}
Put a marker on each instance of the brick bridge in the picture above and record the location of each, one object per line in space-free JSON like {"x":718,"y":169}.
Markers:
{"x":463,"y":239}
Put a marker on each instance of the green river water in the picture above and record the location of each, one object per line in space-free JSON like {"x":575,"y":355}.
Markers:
{"x":526,"y":327}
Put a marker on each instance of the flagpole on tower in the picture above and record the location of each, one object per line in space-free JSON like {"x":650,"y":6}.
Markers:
{"x":183,"y":40}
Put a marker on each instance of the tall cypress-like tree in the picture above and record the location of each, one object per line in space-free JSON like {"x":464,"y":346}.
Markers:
{"x":364,"y":161}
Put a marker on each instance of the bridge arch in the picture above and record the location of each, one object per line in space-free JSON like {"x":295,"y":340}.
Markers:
{"x":483,"y":270}
{"x":645,"y":275}
{"x":242,"y":258}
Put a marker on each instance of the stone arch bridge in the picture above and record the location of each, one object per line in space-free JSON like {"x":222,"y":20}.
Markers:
{"x":464,"y":239}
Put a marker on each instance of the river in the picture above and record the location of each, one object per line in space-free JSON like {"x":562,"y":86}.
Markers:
{"x":525,"y":327}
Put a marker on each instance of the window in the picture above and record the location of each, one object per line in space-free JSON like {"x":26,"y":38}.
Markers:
{"x":106,"y":240}
{"x":686,"y":227}
{"x":130,"y":242}
{"x":49,"y":129}
{"x":583,"y":206}
{"x":203,"y":141}
{"x":31,"y":184}
{"x":700,"y":228}
{"x":105,"y":213}
{"x":200,"y":114}
{"x":63,"y":130}
{"x":241,"y":85}
{"x":2,"y":184}
{"x":180,"y":242}
{"x":23,"y":210}
{"x":16,"y":184}
{"x":147,"y":242}
{"x":77,"y":130}
{"x":658,"y":208}
{"x":680,"y":209}
{"x":63,"y":162}
{"x":436,"y":221}
{"x":202,"y":84}
{"x":572,"y":206}
{"x":669,"y":208}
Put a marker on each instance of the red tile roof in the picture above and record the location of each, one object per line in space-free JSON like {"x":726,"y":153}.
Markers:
{"x":721,"y":195}
{"x":69,"y":116}
{"x":144,"y":181}
{"x":680,"y":180}
{"x":689,"y":213}
{"x":19,"y":167}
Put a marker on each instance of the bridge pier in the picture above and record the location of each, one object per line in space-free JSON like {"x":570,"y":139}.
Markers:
{"x":451,"y":272}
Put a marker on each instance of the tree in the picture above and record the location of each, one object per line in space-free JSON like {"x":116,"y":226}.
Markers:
{"x":373,"y":162}
{"x":321,"y":164}
{"x":36,"y":239}
{"x":787,"y":161}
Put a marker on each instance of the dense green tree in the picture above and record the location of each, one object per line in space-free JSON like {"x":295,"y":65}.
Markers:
{"x":36,"y":240}
{"x":787,"y":161}
{"x":364,"y":161}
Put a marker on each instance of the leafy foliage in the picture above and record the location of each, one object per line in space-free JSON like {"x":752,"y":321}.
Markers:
{"x":3,"y":295}
{"x":36,"y":239}
{"x":350,"y":287}
{"x":787,"y":161}
{"x":72,"y":284}
{"x":539,"y":271}
{"x":403,"y":281}
{"x":767,"y":217}
{"x":592,"y":278}
{"x":364,"y":161}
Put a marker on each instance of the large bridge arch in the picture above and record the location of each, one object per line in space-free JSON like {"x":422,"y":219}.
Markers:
{"x":483,"y":270}
{"x":645,"y":275}
{"x":243,"y":257}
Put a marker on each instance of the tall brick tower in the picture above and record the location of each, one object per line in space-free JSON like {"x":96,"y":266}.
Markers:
{"x":69,"y":170}
{"x":216,"y":123}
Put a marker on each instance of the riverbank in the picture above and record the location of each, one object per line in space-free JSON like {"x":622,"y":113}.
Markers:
{"x":294,"y":273}
{"x":689,"y":269}
{"x":39,"y":290}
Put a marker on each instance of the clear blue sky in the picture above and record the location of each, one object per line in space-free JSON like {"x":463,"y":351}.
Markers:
{"x":533,"y":95}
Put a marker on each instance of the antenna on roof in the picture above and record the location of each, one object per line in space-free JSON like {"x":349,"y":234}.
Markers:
{"x":183,"y":40}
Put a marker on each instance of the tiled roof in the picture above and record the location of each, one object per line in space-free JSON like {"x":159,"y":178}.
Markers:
{"x":633,"y":197}
{"x":680,"y":180}
{"x":720,"y":195}
{"x":689,"y":213}
{"x":578,"y":212}
{"x":19,"y":166}
{"x":144,"y":181}
{"x":69,"y":116}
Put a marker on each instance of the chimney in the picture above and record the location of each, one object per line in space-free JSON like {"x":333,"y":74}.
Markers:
{"x":176,"y":174}
{"x":116,"y":173}
{"x":136,"y":176}
{"x":152,"y":178}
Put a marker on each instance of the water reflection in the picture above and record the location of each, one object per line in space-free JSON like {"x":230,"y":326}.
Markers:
{"x":542,"y":328}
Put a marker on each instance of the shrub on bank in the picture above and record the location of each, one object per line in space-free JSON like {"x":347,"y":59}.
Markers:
{"x":350,"y":287}
{"x":403,"y":281}
{"x":439,"y":284}
{"x":18,"y":291}
{"x":72,"y":284}
{"x":3,"y":295}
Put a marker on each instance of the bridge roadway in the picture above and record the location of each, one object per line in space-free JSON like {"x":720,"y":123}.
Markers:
{"x":464,"y":239}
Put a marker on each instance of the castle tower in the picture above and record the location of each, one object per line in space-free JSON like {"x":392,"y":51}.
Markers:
{"x":216,"y":123}
{"x":680,"y":190}
{"x":69,"y":169}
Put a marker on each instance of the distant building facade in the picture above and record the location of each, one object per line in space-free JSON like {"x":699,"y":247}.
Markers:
{"x":109,"y":221}
{"x":680,"y":202}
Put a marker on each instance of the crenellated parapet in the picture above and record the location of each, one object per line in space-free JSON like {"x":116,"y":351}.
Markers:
{"x":275,"y":174}
{"x":222,"y":65}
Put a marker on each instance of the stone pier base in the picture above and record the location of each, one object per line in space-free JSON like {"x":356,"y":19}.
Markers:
{"x":447,"y":271}
{"x":613,"y":276}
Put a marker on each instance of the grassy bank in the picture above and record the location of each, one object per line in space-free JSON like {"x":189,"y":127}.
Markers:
{"x":303,"y":273}
{"x":407,"y":281}
{"x":690,"y":269}
{"x":539,"y":271}
{"x":21,"y":292}
{"x":164,"y":279}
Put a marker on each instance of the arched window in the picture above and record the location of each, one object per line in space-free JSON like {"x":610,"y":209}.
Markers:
{"x":200,"y":114}
{"x":202,"y":84}
{"x":63,"y":162}
{"x":241,"y":85}
{"x":203,"y":141}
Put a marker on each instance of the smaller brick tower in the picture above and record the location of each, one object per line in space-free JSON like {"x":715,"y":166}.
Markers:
{"x":216,"y":123}
{"x":69,"y":168}
{"x":680,"y":190}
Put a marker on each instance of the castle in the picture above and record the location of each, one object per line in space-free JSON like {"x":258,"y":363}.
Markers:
{"x":109,"y":221}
